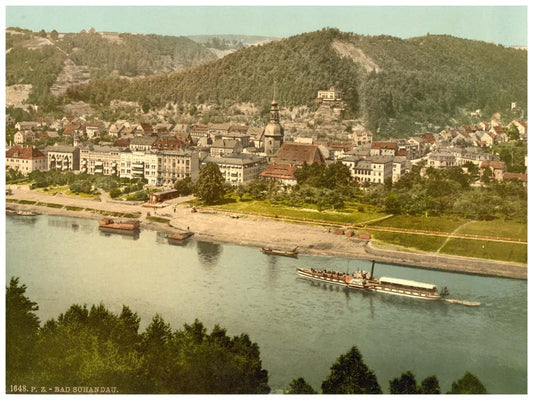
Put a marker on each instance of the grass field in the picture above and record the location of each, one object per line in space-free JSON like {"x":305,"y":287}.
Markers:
{"x":348,"y":216}
{"x":435,"y":224}
{"x":496,"y":228}
{"x":511,"y":252}
{"x":406,"y":241}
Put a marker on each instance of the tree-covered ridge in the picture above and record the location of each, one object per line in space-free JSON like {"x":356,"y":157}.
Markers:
{"x":133,"y":55}
{"x":435,"y":79}
{"x":38,"y":58}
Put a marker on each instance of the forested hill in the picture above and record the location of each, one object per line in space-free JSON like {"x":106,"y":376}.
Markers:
{"x":392,"y":83}
{"x":52,"y":60}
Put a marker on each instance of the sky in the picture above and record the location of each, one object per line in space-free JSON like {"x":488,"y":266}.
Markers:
{"x":505,"y":25}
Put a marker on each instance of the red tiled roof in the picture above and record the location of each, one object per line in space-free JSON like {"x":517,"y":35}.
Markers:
{"x":121,"y":143}
{"x":383,"y":145}
{"x":298,"y":154}
{"x":492,"y":164}
{"x":511,"y":175}
{"x":279,"y":171}
{"x":24,"y":152}
{"x":168,"y":143}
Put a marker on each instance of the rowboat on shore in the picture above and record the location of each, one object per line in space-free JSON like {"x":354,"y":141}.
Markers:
{"x":123,"y":227}
{"x":290,"y":253}
{"x":179,"y":238}
{"x":21,"y":212}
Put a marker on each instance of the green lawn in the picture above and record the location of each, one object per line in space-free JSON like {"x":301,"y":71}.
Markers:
{"x":52,"y":190}
{"x":435,"y":224}
{"x":346,"y":216}
{"x":512,"y":252}
{"x":82,"y":195}
{"x":406,"y":241}
{"x":497,"y":228}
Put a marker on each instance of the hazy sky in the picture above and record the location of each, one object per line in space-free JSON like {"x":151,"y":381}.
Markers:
{"x":497,"y":24}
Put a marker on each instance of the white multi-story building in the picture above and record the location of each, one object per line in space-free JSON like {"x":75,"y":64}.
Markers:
{"x":100,"y":160}
{"x":238,"y":168}
{"x":139,"y":164}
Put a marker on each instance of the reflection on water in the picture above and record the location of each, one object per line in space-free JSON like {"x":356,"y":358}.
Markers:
{"x":24,"y":219}
{"x":127,"y":236}
{"x":208,"y":253}
{"x":161,"y":237}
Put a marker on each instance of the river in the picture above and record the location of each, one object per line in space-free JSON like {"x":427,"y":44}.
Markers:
{"x":301,"y":327}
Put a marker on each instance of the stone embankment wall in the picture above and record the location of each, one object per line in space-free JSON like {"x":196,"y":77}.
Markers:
{"x":449,"y":263}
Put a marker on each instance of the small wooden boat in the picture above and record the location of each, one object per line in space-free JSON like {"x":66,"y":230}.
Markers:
{"x":21,"y":212}
{"x":126,"y":227}
{"x":290,"y":253}
{"x":179,"y":238}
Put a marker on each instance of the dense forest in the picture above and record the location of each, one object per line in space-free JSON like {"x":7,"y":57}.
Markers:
{"x":93,"y":350}
{"x":393,"y":84}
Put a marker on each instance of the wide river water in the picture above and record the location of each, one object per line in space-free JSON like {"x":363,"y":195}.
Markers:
{"x":301,"y":327}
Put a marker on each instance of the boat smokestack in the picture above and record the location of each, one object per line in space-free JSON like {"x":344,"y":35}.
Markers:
{"x":372,"y":271}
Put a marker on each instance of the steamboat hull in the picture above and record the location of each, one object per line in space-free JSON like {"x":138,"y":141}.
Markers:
{"x":386,"y":285}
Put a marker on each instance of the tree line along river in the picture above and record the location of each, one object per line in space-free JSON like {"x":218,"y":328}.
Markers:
{"x":302,"y":327}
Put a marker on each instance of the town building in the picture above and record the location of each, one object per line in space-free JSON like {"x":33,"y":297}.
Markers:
{"x":142,"y":143}
{"x":238,"y":168}
{"x":289,"y":157}
{"x":167,"y":143}
{"x":174,"y":165}
{"x":497,"y":168}
{"x":441,"y":160}
{"x":104,"y":160}
{"x":21,"y":137}
{"x":274,"y":133}
{"x":65,"y":158}
{"x":383,"y":149}
{"x":375,"y":169}
{"x":26,"y":159}
{"x":223,"y":147}
{"x":329,"y":95}
{"x":139,"y":164}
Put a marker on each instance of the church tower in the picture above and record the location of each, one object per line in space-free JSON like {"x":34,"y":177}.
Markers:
{"x":273,"y":133}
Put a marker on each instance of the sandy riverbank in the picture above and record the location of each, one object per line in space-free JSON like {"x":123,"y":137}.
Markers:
{"x":259,"y":232}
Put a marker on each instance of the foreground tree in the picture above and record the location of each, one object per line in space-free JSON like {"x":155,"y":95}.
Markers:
{"x":22,"y":325}
{"x":300,"y":386}
{"x":405,"y":384}
{"x":430,"y":385}
{"x":468,"y":384}
{"x":210,"y":186}
{"x":350,"y":375}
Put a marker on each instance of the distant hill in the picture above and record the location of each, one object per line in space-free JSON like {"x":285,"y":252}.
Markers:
{"x":395,"y":85}
{"x":44,"y":59}
{"x":232,"y":40}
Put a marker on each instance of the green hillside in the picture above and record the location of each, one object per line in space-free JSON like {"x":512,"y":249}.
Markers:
{"x":38,"y":58}
{"x":395,"y":85}
{"x":392,"y":83}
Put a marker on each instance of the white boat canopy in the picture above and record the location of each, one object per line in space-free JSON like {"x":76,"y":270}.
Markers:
{"x":405,"y":282}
